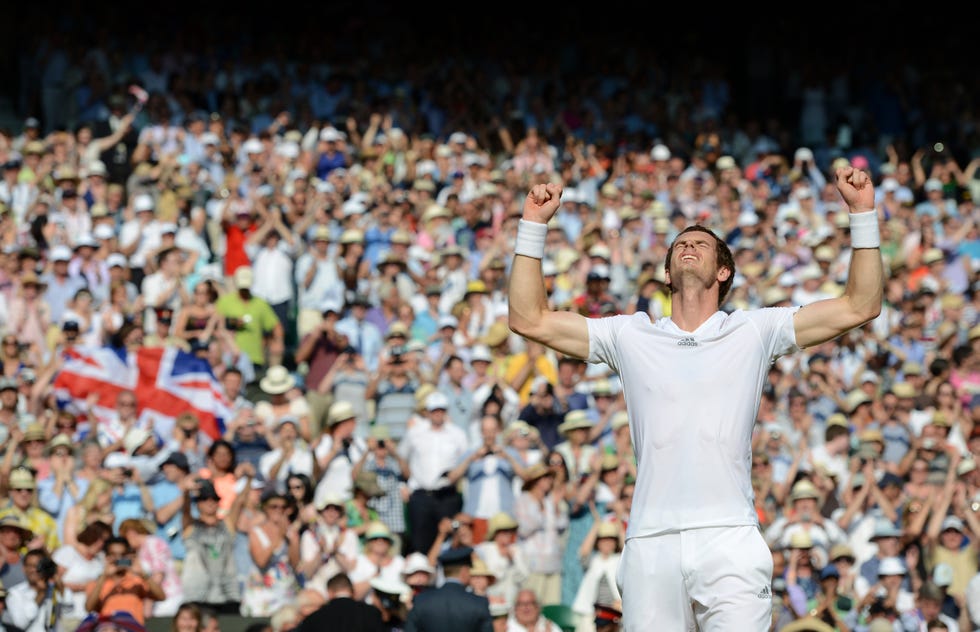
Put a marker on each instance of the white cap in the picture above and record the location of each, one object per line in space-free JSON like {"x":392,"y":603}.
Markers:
{"x":436,"y":399}
{"x":60,"y":252}
{"x":253,"y":146}
{"x":330,"y":134}
{"x":480,"y":352}
{"x":803,"y":153}
{"x":103,"y":231}
{"x":660,"y":152}
{"x":115,"y":459}
{"x":448,"y":321}
{"x":143,"y":202}
{"x":116,"y":259}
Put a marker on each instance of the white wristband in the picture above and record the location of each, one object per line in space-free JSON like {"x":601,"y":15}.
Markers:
{"x":864,"y":230}
{"x":530,"y":239}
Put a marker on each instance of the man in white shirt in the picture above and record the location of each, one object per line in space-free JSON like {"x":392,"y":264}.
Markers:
{"x":292,"y":456}
{"x":270,"y":249}
{"x":432,"y":450}
{"x":317,"y":281}
{"x":141,"y":235}
{"x":693,"y":384}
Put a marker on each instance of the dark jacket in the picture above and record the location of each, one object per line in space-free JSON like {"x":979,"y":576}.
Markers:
{"x":343,"y":614}
{"x":449,"y":608}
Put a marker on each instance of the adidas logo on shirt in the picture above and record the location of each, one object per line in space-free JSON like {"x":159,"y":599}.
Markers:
{"x":764,"y":593}
{"x":687,"y":342}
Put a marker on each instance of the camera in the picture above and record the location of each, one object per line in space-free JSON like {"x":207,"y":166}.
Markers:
{"x":128,"y":472}
{"x":47,"y":568}
{"x":455,"y":525}
{"x":124,"y":562}
{"x":381,"y":443}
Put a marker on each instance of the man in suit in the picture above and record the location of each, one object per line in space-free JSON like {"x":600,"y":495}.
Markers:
{"x":451,"y":607}
{"x":342,"y":612}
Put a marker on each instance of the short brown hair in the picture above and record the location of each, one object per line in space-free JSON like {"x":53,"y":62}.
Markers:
{"x":722,"y":252}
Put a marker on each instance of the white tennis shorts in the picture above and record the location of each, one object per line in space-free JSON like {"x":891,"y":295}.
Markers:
{"x":713,"y":579}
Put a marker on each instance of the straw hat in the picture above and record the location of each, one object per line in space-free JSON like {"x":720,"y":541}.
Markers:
{"x":13,"y":521}
{"x":340,"y":411}
{"x":61,"y":441}
{"x":501,"y":521}
{"x":534,"y":472}
{"x":574,"y":420}
{"x":277,"y":380}
{"x":378,"y":529}
{"x":480,"y":569}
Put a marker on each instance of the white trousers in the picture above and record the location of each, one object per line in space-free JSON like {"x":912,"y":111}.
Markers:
{"x":713,"y":579}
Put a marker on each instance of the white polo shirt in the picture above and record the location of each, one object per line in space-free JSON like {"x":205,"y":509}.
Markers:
{"x":692,"y":399}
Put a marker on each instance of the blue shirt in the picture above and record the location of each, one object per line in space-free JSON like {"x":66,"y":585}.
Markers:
{"x":164,"y":492}
{"x":127,"y":503}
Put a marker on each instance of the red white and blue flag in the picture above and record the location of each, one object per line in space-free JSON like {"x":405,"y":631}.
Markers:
{"x":167,"y":381}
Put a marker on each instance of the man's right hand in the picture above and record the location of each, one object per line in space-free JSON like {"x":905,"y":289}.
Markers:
{"x":542,"y":202}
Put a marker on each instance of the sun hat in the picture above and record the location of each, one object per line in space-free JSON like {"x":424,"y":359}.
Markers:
{"x":340,"y":411}
{"x":803,"y":489}
{"x":534,"y":472}
{"x":376,"y":530}
{"x":417,"y":562}
{"x":480,"y":569}
{"x":60,"y":441}
{"x":13,"y":521}
{"x":574,"y":419}
{"x":367,"y":482}
{"x":500,"y":521}
{"x":135,"y":438}
{"x":277,"y":380}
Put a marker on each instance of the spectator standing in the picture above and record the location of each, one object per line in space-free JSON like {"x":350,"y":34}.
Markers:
{"x":431,"y":451}
{"x":542,"y":516}
{"x":256,"y":328}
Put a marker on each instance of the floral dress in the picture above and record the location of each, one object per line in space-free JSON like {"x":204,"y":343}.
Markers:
{"x":269,"y":588}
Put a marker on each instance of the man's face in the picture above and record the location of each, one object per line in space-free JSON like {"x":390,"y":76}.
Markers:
{"x":526,"y":608}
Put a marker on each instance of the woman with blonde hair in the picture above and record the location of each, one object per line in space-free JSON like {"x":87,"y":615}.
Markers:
{"x":94,"y":505}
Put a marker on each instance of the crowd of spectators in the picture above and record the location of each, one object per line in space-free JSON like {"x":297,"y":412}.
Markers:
{"x":335,"y":240}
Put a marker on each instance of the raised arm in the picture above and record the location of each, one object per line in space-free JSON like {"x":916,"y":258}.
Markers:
{"x":861,"y":301}
{"x":529,"y":315}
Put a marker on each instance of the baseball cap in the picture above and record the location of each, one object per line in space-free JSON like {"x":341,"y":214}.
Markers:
{"x":244,"y":277}
{"x":179,"y":459}
{"x":436,"y":400}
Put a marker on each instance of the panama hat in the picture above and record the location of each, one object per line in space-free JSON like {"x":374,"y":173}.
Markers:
{"x":340,"y":411}
{"x":497,"y":334}
{"x":480,"y":569}
{"x":500,"y":521}
{"x":376,"y":530}
{"x":574,"y":420}
{"x":277,"y":380}
{"x":804,"y":489}
{"x":34,"y":432}
{"x":135,"y":438}
{"x":534,"y":472}
{"x":61,"y":441}
{"x":367,"y":482}
{"x":13,"y":521}
{"x":21,"y":478}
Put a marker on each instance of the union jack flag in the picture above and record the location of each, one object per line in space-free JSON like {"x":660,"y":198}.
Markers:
{"x":167,"y":381}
